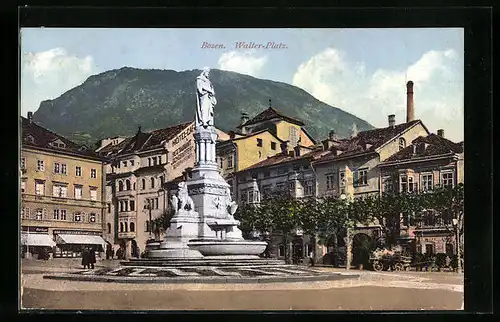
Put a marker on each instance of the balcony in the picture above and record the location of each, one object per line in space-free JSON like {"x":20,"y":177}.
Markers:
{"x":127,"y":235}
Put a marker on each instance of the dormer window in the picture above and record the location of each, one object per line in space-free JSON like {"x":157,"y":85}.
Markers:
{"x":58,"y":144}
{"x":29,"y":139}
{"x":402,"y":144}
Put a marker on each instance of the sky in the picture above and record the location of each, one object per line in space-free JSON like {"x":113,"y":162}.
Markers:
{"x":361,"y":71}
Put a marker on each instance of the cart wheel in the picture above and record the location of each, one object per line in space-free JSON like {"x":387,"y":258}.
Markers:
{"x":378,"y":266}
{"x":398,"y":267}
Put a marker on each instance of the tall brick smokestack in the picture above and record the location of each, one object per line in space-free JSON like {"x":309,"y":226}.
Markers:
{"x":410,"y":108}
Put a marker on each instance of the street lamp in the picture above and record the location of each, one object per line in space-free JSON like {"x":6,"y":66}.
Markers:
{"x":457,"y":242}
{"x":343,"y":197}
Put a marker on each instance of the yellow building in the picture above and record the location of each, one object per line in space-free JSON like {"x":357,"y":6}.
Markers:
{"x":258,"y":138}
{"x":61,"y":193}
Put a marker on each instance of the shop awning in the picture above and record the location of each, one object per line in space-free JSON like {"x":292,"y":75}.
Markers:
{"x":37,"y":240}
{"x":80,"y":239}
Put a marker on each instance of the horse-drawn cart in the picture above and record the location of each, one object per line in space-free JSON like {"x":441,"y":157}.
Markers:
{"x":383,"y":260}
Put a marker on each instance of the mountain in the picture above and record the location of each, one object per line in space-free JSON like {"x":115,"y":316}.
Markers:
{"x":117,"y":101}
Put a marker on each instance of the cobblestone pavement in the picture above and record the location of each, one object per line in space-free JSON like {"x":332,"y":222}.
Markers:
{"x":371,"y":291}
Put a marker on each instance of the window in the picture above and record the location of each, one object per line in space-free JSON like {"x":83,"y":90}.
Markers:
{"x":143,"y":184}
{"x":157,"y":205}
{"x":109,"y":228}
{"x":159,"y":159}
{"x":122,"y":207}
{"x":23,"y":186}
{"x":59,"y":190}
{"x":23,"y":163}
{"x":361,"y":177}
{"x":109,"y":208}
{"x":78,"y":192}
{"x":251,"y":196}
{"x":259,"y":142}
{"x":221,"y":164}
{"x":127,"y":184}
{"x":124,"y":164}
{"x":25,"y":213}
{"x":62,"y":213}
{"x":132,"y":227}
{"x":39,"y":214}
{"x":134,"y":185}
{"x":57,"y":167}
{"x":426,"y":182}
{"x":309,"y":188}
{"x":291,"y":185}
{"x":293,"y":135}
{"x":120,"y":185}
{"x":447,"y":179}
{"x":56,"y":214}
{"x":330,"y":179}
{"x":281,"y":251}
{"x":230,"y":161}
{"x":154,"y":161}
{"x":273,"y":145}
{"x":78,"y":171}
{"x":121,"y":227}
{"x":342,"y":179}
{"x":402,"y":143}
{"x":429,"y":249}
{"x":92,"y":218}
{"x":243,"y":196}
{"x":152,"y":183}
{"x":132,"y":205}
{"x":40,"y":166}
{"x":403,"y":180}
{"x":132,"y":163}
{"x":93,"y":193}
{"x":64,"y":169}
{"x":162,"y":180}
{"x":77,"y":217}
{"x":149,"y":162}
{"x":387,"y":184}
{"x":40,"y":188}
{"x":146,"y":226}
{"x":93,"y":173}
{"x":410,"y":184}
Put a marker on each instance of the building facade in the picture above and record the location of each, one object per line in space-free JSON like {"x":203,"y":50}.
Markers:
{"x":61,"y":193}
{"x":137,"y":172}
{"x":429,"y":162}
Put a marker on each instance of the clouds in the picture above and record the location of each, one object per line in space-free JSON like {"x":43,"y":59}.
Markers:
{"x":372,"y":95}
{"x":244,"y":62}
{"x":48,"y":74}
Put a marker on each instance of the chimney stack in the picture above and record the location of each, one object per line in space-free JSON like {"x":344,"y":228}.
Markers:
{"x":30,"y":116}
{"x":392,"y":120}
{"x":244,"y":118}
{"x":441,"y":133}
{"x":410,"y":109}
{"x":332,"y":135}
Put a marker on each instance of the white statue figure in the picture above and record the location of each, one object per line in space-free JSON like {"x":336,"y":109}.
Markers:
{"x":232,"y":206}
{"x":182,"y":201}
{"x":205,"y":100}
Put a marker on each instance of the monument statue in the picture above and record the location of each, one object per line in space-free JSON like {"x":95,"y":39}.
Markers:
{"x":182,"y":201}
{"x":205,"y":100}
{"x":231,"y":205}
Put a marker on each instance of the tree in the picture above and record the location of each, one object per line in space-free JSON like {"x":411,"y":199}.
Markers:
{"x":162,"y":222}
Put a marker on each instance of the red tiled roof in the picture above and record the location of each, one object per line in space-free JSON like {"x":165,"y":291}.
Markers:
{"x":142,"y":141}
{"x":166,"y":134}
{"x":33,"y":135}
{"x":368,"y":141}
{"x":436,"y":146}
{"x":268,"y":114}
{"x":281,"y":158}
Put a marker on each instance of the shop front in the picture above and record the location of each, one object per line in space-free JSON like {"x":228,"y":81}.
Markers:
{"x":36,"y":242}
{"x":70,"y":243}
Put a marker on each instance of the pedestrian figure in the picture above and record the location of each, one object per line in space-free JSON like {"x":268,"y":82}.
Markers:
{"x":85,"y":258}
{"x":112,"y":253}
{"x":108,"y":252}
{"x":92,"y":259}
{"x":311,"y":259}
